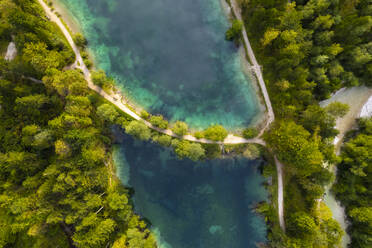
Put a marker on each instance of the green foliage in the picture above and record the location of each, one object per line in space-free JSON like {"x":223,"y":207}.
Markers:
{"x":337,"y":109}
{"x":295,"y":146}
{"x":80,"y":40}
{"x":107,"y":112}
{"x":70,"y":82}
{"x":199,"y":135}
{"x":251,"y":152}
{"x":234,"y":33}
{"x":57,"y":187}
{"x":301,"y":224}
{"x":186,"y":149}
{"x":99,"y":78}
{"x":144,"y":114}
{"x":354,"y":183}
{"x":309,"y":49}
{"x":138,"y":129}
{"x":40,"y":58}
{"x":180,"y":128}
{"x":215,"y":133}
{"x":316,"y":119}
{"x":163,"y":139}
{"x":62,"y":148}
{"x":250,"y":133}
{"x":212,"y":151}
{"x":158,"y":121}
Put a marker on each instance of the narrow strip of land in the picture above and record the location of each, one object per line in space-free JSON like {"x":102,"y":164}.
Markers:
{"x":271,"y":117}
{"x":256,"y":67}
{"x":116,"y":98}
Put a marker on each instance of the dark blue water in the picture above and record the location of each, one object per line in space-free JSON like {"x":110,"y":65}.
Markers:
{"x":193,"y":205}
{"x":171,"y":57}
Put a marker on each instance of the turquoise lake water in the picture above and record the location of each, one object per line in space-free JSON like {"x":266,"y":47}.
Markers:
{"x":193,"y":205}
{"x":170,"y":57}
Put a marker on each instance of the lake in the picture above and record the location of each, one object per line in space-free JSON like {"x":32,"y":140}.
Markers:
{"x":170,"y":57}
{"x":199,"y":205}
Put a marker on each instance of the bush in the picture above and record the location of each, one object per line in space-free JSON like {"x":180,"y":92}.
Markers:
{"x":164,"y":140}
{"x":158,"y":121}
{"x":212,"y":150}
{"x":107,"y":112}
{"x":180,"y":128}
{"x":250,"y":133}
{"x":138,"y":129}
{"x":186,"y":149}
{"x":215,"y":133}
{"x":234,"y":33}
{"x":199,"y":135}
{"x":144,"y":115}
{"x":79,"y":40}
{"x":251,"y":152}
{"x":99,"y":78}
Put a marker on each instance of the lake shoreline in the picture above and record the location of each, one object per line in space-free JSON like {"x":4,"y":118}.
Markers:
{"x":258,"y":121}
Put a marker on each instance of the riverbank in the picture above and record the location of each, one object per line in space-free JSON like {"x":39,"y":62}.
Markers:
{"x":356,"y":98}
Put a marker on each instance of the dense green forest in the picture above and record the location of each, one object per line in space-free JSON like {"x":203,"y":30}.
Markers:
{"x":57,"y":182}
{"x":354,"y":183}
{"x":308,"y":49}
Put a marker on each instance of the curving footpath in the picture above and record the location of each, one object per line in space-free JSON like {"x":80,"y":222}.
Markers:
{"x":256,"y":67}
{"x":114,"y":98}
{"x":230,"y":139}
{"x":271,"y":117}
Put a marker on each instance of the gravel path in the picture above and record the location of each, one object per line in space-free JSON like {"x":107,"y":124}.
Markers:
{"x":271,"y":117}
{"x":255,"y":66}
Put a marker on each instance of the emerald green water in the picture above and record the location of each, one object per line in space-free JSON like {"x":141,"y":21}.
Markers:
{"x":170,"y":57}
{"x":193,"y":205}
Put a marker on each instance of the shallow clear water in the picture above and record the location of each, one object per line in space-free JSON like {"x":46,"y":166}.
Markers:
{"x":198,"y":205}
{"x":170,"y":57}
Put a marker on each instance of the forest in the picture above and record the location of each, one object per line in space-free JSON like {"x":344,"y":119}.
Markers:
{"x":354,"y":183}
{"x":309,"y":49}
{"x":57,"y":181}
